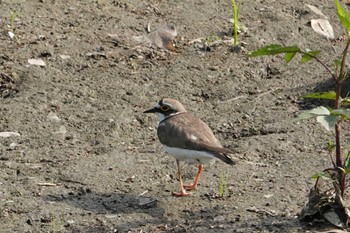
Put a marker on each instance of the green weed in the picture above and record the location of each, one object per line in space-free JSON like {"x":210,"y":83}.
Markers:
{"x":331,"y":118}
{"x":222,"y":185}
{"x":235,"y":22}
{"x":57,"y":223}
{"x":13,"y":16}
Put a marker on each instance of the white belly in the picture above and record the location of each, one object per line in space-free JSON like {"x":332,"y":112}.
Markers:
{"x":190,"y":156}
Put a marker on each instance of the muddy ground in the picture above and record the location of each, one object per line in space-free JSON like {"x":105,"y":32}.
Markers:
{"x":88,"y":160}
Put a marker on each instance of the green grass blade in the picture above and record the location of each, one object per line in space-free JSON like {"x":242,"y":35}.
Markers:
{"x":235,"y":25}
{"x":222,"y":185}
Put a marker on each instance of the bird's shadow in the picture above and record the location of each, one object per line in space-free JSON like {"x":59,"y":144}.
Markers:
{"x":325,"y":86}
{"x":217,"y":219}
{"x":109,"y":203}
{"x":113,"y":204}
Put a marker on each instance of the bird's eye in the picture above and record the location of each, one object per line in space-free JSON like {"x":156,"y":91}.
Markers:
{"x":164,"y":108}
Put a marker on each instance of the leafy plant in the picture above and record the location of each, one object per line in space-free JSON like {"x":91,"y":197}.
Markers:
{"x":329,"y":118}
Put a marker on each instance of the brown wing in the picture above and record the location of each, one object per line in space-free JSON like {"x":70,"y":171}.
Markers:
{"x":188,"y":132}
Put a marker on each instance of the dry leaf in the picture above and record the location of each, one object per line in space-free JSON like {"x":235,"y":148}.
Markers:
{"x":316,"y":10}
{"x":323,"y":28}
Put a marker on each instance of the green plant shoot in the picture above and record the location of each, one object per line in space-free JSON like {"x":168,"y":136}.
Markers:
{"x":13,"y":16}
{"x":222,"y":185}
{"x":235,"y":23}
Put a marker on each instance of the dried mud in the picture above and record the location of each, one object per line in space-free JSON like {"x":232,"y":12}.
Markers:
{"x":87,"y":158}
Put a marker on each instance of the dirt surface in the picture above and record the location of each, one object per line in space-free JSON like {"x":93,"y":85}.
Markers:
{"x":88,"y":160}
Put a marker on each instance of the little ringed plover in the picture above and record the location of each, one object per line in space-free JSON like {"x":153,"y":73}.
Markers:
{"x":187,"y":138}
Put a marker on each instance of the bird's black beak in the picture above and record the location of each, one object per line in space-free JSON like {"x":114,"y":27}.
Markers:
{"x":152,"y":110}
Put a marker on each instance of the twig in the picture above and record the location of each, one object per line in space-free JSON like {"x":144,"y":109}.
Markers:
{"x":71,"y":181}
{"x":46,"y":184}
{"x":236,"y":98}
{"x":322,"y":63}
{"x":265,"y":93}
{"x":143,"y":193}
{"x":261,"y":211}
{"x":252,"y":163}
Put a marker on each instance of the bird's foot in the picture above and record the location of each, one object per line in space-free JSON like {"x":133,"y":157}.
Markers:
{"x":189,"y":187}
{"x":182,"y":193}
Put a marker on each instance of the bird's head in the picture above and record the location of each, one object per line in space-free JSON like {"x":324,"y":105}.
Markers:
{"x":166,"y":108}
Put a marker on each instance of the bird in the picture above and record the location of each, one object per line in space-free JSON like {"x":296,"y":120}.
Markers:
{"x":187,"y":138}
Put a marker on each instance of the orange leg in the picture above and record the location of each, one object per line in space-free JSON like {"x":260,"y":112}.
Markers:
{"x":182,"y":192}
{"x":194,"y":185}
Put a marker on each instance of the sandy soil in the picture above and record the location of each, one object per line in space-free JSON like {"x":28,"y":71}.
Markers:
{"x":87,"y":158}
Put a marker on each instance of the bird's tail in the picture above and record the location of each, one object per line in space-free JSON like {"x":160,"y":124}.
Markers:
{"x":221,"y":153}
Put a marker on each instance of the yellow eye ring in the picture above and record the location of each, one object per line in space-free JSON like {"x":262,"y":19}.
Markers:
{"x":164,"y":108}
